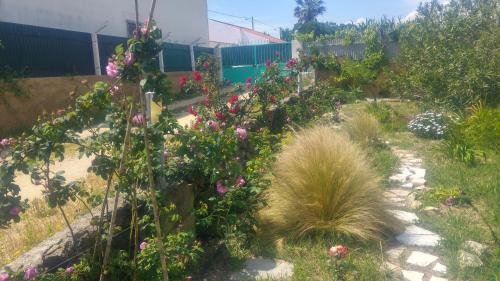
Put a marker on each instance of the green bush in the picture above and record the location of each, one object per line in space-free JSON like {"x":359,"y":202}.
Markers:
{"x":389,"y":118}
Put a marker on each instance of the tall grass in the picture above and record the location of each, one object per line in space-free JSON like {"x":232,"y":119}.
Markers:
{"x":323,"y":184}
{"x":363,"y":129}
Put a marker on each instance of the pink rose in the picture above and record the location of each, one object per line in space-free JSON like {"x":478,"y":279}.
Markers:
{"x":242,"y":133}
{"x":143,"y":245}
{"x":221,"y":188}
{"x":30,"y":273}
{"x":112,"y":69}
{"x":4,"y":276}
{"x":240,"y":181}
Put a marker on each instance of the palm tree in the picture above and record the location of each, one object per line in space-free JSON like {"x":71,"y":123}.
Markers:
{"x":308,"y":10}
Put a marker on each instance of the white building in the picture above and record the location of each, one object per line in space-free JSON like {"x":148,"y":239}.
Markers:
{"x":226,"y":34}
{"x":182,"y":21}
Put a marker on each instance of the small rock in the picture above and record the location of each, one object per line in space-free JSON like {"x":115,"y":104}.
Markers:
{"x":412,"y":202}
{"x":475,"y":247}
{"x":255,"y":269}
{"x":406,"y":217}
{"x":417,"y":236}
{"x":421,"y":259}
{"x":417,"y":181}
{"x":407,"y":185}
{"x":395,"y":253}
{"x":398,"y":178}
{"x":468,"y":260}
{"x":419,"y":172}
{"x":440,"y":268}
{"x":434,"y":278}
{"x":413,"y":275}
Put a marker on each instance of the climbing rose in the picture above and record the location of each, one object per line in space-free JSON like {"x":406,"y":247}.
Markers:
{"x":143,"y":245}
{"x":192,"y":111}
{"x":14,"y":211}
{"x":197,"y":76}
{"x":30,"y":273}
{"x":112,"y":69}
{"x":70,"y":270}
{"x":242,"y":133}
{"x":338,"y":251}
{"x":233,"y":98}
{"x":182,"y":81}
{"x":138,"y":119}
{"x":4,"y":276}
{"x":291,"y":63}
{"x":219,"y":115}
{"x":240,"y":181}
{"x":221,"y":188}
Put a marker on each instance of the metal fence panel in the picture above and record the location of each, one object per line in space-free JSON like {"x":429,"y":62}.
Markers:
{"x":107,"y":45}
{"x":176,"y":57}
{"x":33,"y":51}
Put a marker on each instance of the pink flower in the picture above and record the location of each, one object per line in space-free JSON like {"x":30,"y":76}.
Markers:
{"x":205,"y":65}
{"x":144,"y":28}
{"x":138,"y":119}
{"x":4,"y":276}
{"x":248,"y":85}
{"x":182,"y":81}
{"x":143,"y":245}
{"x":268,"y":62}
{"x":287,"y":79}
{"x":70,"y":270}
{"x":7,"y":142}
{"x":220,"y":115}
{"x":114,"y":90}
{"x":242,"y":133}
{"x":129,"y":58}
{"x":221,"y":188}
{"x":192,"y":111}
{"x":213,"y":125}
{"x":240,"y":181}
{"x":255,"y":90}
{"x":233,"y":98}
{"x":14,"y":211}
{"x":112,"y":69}
{"x":197,"y":76}
{"x":249,"y":80}
{"x":338,"y":251}
{"x":234,"y":109}
{"x":291,"y":63}
{"x":30,"y":273}
{"x":206,"y":101}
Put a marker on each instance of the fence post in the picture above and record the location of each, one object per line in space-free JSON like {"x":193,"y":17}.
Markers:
{"x":296,"y":46}
{"x":193,"y":61}
{"x":218,"y":56}
{"x":95,"y":52}
{"x":160,"y":61}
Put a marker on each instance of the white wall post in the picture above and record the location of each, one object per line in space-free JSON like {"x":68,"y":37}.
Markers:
{"x":193,"y":61}
{"x":95,"y":52}
{"x":218,"y":57}
{"x":296,"y":46}
{"x":160,"y":60}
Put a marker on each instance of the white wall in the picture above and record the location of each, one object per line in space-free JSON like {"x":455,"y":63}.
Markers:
{"x":185,"y":20}
{"x":229,"y":34}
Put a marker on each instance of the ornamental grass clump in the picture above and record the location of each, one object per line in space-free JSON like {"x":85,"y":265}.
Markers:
{"x":323,"y":184}
{"x":363,"y":129}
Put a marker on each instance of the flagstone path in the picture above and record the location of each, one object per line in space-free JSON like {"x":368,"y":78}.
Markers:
{"x":412,"y":256}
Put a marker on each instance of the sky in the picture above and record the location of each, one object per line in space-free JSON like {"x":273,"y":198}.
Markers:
{"x":272,"y":14}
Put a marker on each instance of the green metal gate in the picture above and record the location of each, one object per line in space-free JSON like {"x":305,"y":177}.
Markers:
{"x":241,"y":62}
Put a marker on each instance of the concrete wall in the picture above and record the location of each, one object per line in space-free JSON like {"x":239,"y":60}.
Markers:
{"x":47,"y":94}
{"x":182,"y":21}
{"x":228,"y":34}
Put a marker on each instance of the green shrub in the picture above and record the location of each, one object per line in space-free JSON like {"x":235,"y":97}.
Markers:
{"x":363,"y":129}
{"x":482,"y":128}
{"x":323,"y":184}
{"x":389,"y":118}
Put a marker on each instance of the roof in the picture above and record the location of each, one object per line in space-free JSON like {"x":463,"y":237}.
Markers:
{"x":265,"y":36}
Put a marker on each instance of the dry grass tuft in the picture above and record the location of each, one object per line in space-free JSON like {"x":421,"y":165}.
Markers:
{"x":363,"y":129}
{"x":323,"y":185}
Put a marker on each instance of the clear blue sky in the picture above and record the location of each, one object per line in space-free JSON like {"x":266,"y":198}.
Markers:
{"x":279,"y":13}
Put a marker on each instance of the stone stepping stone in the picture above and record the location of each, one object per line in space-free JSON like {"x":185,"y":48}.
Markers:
{"x":440,"y":268}
{"x":395,"y":253}
{"x":418,"y":181}
{"x":399,"y":192}
{"x":417,"y":236}
{"x":419,"y":172}
{"x":407,"y":185}
{"x":421,"y":259}
{"x":413,"y":275}
{"x":434,"y":278}
{"x":398,"y":178}
{"x":406,"y":217}
{"x":260,"y":268}
{"x":475,"y":247}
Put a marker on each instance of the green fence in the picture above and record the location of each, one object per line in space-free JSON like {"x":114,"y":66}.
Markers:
{"x":241,"y":62}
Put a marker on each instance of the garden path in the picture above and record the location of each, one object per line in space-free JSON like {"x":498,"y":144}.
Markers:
{"x":412,"y":256}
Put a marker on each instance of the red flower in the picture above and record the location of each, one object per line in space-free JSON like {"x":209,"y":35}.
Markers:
{"x":205,"y":89}
{"x":206,"y":65}
{"x":233,"y":98}
{"x":182,"y":81}
{"x":287,"y":79}
{"x":206,"y":101}
{"x":192,"y":111}
{"x":219,"y":115}
{"x":234,"y":109}
{"x":273,"y":99}
{"x":268,"y":62}
{"x":197,"y":76}
{"x":249,"y":80}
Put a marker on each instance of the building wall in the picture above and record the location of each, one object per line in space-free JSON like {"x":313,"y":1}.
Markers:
{"x":182,"y":21}
{"x":231,"y":35}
